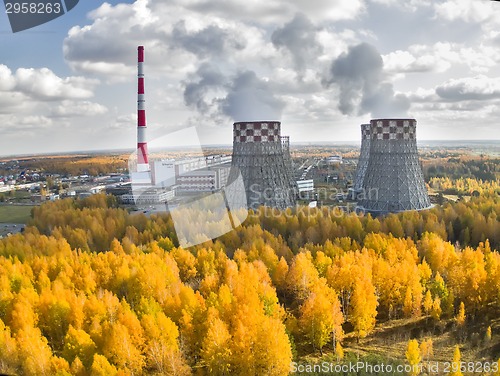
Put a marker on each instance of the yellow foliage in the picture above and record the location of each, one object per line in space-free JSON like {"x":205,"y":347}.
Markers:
{"x":413,"y":356}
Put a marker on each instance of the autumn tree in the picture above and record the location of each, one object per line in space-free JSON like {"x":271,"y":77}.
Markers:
{"x":320,"y":316}
{"x":460,"y":317}
{"x":413,"y":356}
{"x":216,"y":347}
{"x":487,"y":335}
{"x":436,"y":309}
{"x":426,"y":349}
{"x":455,"y":365}
{"x":364,"y":306}
{"x":427,"y":302}
{"x":339,"y":351}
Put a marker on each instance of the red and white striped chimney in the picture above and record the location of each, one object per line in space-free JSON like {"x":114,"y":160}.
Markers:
{"x":142,"y":145}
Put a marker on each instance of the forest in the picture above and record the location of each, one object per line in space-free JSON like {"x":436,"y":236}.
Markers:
{"x":91,"y":289}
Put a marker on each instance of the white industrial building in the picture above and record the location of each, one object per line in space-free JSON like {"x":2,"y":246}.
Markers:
{"x":148,"y":197}
{"x":204,"y":180}
{"x":202,"y":174}
{"x":305,"y":185}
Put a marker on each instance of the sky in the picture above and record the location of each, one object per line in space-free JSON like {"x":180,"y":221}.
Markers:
{"x":321,"y":67}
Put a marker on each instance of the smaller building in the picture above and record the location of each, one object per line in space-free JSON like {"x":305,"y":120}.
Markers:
{"x":305,"y":185}
{"x":208,"y":179}
{"x":97,"y":189}
{"x":334,"y":159}
{"x":153,"y":196}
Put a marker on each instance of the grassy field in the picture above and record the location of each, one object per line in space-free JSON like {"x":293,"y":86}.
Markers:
{"x":15,"y":213}
{"x":387,"y":344}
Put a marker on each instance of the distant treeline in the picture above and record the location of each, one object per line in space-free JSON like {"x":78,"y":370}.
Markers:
{"x":93,"y":223}
{"x":485,"y":169}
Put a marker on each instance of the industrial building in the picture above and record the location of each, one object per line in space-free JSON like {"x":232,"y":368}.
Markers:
{"x":258,"y":156}
{"x":393,"y":181}
{"x":208,"y":179}
{"x":334,"y":159}
{"x":202,"y":174}
{"x":151,"y":196}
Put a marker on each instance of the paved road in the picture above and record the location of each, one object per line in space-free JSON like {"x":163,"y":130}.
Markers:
{"x":10,"y":228}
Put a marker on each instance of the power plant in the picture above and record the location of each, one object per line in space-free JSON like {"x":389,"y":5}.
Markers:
{"x":258,"y":155}
{"x":364,"y":157}
{"x":388,"y":178}
{"x":393,"y":181}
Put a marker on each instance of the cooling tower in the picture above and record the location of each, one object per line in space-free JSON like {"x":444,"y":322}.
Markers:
{"x":259,"y":157}
{"x":393,"y":179}
{"x":364,"y":156}
{"x":285,"y":146}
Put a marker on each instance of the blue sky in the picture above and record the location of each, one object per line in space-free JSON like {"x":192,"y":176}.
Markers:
{"x":321,"y":67}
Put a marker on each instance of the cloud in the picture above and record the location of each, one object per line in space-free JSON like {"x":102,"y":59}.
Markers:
{"x":409,"y":5}
{"x":440,"y":57}
{"x":465,"y":10}
{"x":199,"y":93}
{"x":251,"y":99}
{"x":418,"y":62}
{"x":209,"y":41}
{"x":274,"y":11}
{"x":241,"y":97}
{"x":43,"y":85}
{"x":359,"y":75}
{"x":7,"y":81}
{"x":470,"y":88}
{"x":23,"y":125}
{"x":128,"y":122}
{"x":70,"y":108}
{"x":108,"y":45}
{"x":298,"y":37}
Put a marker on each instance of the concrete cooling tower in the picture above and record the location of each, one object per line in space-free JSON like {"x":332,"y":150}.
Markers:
{"x":364,"y":156}
{"x":285,"y":146}
{"x":259,"y":157}
{"x":393,"y":180}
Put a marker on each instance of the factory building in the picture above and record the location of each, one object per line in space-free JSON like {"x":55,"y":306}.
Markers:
{"x":202,"y":174}
{"x":209,"y":179}
{"x":151,"y":196}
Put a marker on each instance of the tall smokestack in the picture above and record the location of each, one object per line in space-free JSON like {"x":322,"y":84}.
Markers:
{"x":142,"y":145}
{"x":393,"y":181}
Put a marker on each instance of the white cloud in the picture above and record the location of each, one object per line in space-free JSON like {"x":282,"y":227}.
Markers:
{"x":410,"y":5}
{"x":43,"y":84}
{"x":470,"y":88}
{"x":275,"y":11}
{"x":7,"y":81}
{"x":69,"y":108}
{"x":440,"y":57}
{"x":23,"y":125}
{"x":466,"y":10}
